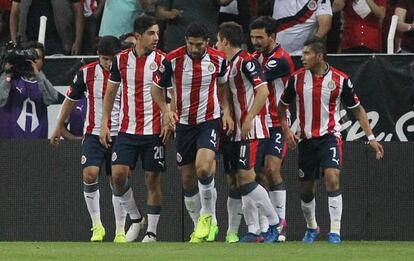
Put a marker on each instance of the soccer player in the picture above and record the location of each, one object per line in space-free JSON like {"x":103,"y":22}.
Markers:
{"x":92,"y":78}
{"x":319,"y":91}
{"x":140,"y":132}
{"x":277,"y":67}
{"x":250,"y":91}
{"x":197,"y":72}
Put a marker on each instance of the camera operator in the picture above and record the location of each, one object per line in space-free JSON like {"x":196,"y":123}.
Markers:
{"x":25,"y":94}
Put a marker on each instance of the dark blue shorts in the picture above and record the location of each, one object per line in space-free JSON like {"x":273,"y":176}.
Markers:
{"x":275,"y":144}
{"x":318,"y":154}
{"x":94,"y":154}
{"x":227,"y":149}
{"x":129,"y":147}
{"x":250,"y":154}
{"x":190,"y":138}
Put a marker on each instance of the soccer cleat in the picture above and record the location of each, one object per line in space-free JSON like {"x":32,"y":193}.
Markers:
{"x":120,"y":238}
{"x":203,"y":226}
{"x":251,"y":238}
{"x":272,"y":234}
{"x":98,"y":233}
{"x":213,"y":233}
{"x":194,"y":239}
{"x":310,"y":235}
{"x":334,"y":238}
{"x":232,"y":238}
{"x":283,"y":232}
{"x":134,"y":229}
{"x":149,"y":238}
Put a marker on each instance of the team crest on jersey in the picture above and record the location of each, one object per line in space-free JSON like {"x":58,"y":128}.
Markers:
{"x":83,"y":159}
{"x":153,"y":67}
{"x":162,"y":68}
{"x":301,"y":173}
{"x":114,"y":156}
{"x":331,"y":85}
{"x":211,"y":67}
{"x":312,"y":5}
{"x":250,"y":67}
{"x":179,"y":158}
{"x":233,"y":72}
{"x":271,"y":64}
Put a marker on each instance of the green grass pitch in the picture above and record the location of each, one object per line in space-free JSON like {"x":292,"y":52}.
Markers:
{"x":348,"y":250}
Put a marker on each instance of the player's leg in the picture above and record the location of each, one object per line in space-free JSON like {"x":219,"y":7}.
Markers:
{"x":275,"y":152}
{"x":91,"y":160}
{"x":309,"y":171}
{"x":332,"y":164}
{"x":124,"y":157}
{"x":234,"y":209}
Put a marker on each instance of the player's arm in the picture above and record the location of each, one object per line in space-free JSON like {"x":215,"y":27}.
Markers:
{"x":108,"y":104}
{"x":287,"y":97}
{"x":65,"y":111}
{"x":351,"y":100}
{"x":262,"y":92}
{"x":227,"y":119}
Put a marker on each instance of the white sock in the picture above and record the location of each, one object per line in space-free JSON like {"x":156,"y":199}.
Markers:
{"x":127,"y":200}
{"x":251,"y":214}
{"x":207,"y":198}
{"x":278,"y":199}
{"x":153,"y":223}
{"x":120,"y":215}
{"x":214,"y":199}
{"x":308,"y":210}
{"x":263,"y":221}
{"x":234,"y":211}
{"x":193,"y":206}
{"x":335,"y":212}
{"x":260,"y":196}
{"x":92,"y":203}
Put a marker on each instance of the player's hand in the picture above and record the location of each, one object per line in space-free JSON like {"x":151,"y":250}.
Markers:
{"x":290,"y":139}
{"x":247,"y":126}
{"x":170,"y":118}
{"x":165,"y":134}
{"x":228,"y":124}
{"x":55,"y":138}
{"x":379,"y":150}
{"x":105,"y":137}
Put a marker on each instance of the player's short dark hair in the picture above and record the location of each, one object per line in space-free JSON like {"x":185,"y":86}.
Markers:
{"x":317,"y":45}
{"x":196,"y":30}
{"x":35,"y":45}
{"x":233,"y":32}
{"x":265,"y":22}
{"x":109,"y":45}
{"x":143,"y":22}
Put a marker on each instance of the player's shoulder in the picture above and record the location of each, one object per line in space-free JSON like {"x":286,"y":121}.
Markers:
{"x":89,"y":65}
{"x":215,"y":52}
{"x":300,"y":71}
{"x":338,"y":72}
{"x":246,"y":56}
{"x":160,"y":52}
{"x":174,"y":54}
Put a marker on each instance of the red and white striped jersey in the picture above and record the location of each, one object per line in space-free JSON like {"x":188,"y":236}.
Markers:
{"x":297,"y":21}
{"x":195,"y":82}
{"x":140,"y":115}
{"x":318,"y":101}
{"x":245,"y":76}
{"x":93,"y":78}
{"x":277,"y":67}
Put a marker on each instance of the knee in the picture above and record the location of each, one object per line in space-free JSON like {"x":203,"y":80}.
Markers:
{"x":90,"y":177}
{"x":307,"y":196}
{"x":203,"y":170}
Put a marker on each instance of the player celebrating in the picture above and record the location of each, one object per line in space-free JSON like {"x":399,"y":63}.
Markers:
{"x":318,"y":89}
{"x":194,"y":71}
{"x":140,"y":131}
{"x":277,"y":67}
{"x":92,"y":78}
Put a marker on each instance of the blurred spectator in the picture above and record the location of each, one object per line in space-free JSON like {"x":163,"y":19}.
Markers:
{"x":25,"y":94}
{"x":333,"y":39}
{"x":178,"y":14}
{"x":299,"y":20}
{"x":64,"y":27}
{"x":405,"y":12}
{"x":128,"y":40}
{"x":237,"y":11}
{"x":362,"y":25}
{"x":4,"y":31}
{"x":92,"y":11}
{"x":118,"y":16}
